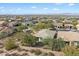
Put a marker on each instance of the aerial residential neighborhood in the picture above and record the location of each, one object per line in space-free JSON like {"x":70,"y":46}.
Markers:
{"x":40,"y":33}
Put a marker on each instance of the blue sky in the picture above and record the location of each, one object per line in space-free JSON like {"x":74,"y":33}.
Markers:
{"x":38,"y":8}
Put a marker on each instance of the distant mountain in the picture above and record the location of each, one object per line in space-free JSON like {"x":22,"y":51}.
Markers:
{"x":69,"y":13}
{"x":72,"y":14}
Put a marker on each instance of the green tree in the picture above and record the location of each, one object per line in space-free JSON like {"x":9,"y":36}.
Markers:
{"x":50,"y":24}
{"x":74,"y":22}
{"x":20,"y":17}
{"x":39,"y":26}
{"x":21,"y":27}
{"x":43,"y":25}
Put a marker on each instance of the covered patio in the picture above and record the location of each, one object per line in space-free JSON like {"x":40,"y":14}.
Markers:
{"x":71,"y":38}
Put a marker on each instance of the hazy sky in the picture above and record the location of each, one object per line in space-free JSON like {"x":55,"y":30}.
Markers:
{"x":38,"y":8}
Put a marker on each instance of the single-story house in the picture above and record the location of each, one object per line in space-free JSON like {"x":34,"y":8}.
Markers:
{"x":27,"y":23}
{"x":58,"y":25}
{"x":77,"y":26}
{"x":8,"y":30}
{"x":1,"y":28}
{"x":68,"y":26}
{"x":71,"y":38}
{"x":67,"y":21}
{"x":12,"y":24}
{"x":3,"y":23}
{"x":45,"y":33}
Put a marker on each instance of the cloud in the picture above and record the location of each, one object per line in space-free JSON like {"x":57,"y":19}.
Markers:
{"x":2,"y":10}
{"x":34,"y":7}
{"x":45,"y":8}
{"x":55,"y":9}
{"x":1,"y":7}
{"x":58,"y":3}
{"x":71,"y":4}
{"x":11,"y":10}
{"x":18,"y":9}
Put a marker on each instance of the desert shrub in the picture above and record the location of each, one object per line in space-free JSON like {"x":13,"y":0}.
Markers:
{"x":3,"y":34}
{"x":46,"y":47}
{"x":20,"y":49}
{"x":57,"y":44}
{"x":6,"y":33}
{"x":50,"y":54}
{"x":8,"y":54}
{"x":43,"y":25}
{"x":71,"y":51}
{"x":47,"y":41}
{"x":54,"y":44}
{"x":38,"y":52}
{"x":9,"y":44}
{"x":1,"y":51}
{"x":25,"y":54}
{"x":39,"y":26}
{"x":29,"y":40}
{"x":15,"y":54}
{"x":32,"y":50}
{"x":45,"y":54}
{"x":20,"y":28}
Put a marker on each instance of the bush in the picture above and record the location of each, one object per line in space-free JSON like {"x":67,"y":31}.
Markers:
{"x":54,"y":44}
{"x":32,"y":50}
{"x":47,"y":41}
{"x":50,"y":54}
{"x":71,"y":51}
{"x":38,"y":52}
{"x":1,"y":51}
{"x":25,"y":54}
{"x":9,"y":44}
{"x":45,"y":54}
{"x":29,"y":40}
{"x":3,"y":34}
{"x":21,"y":49}
{"x":42,"y":25}
{"x":20,"y":28}
{"x":46,"y":47}
{"x":15,"y":54}
{"x":58,"y":44}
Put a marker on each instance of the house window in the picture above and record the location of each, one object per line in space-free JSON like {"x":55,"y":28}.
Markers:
{"x":40,"y":39}
{"x":77,"y":43}
{"x":67,"y":43}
